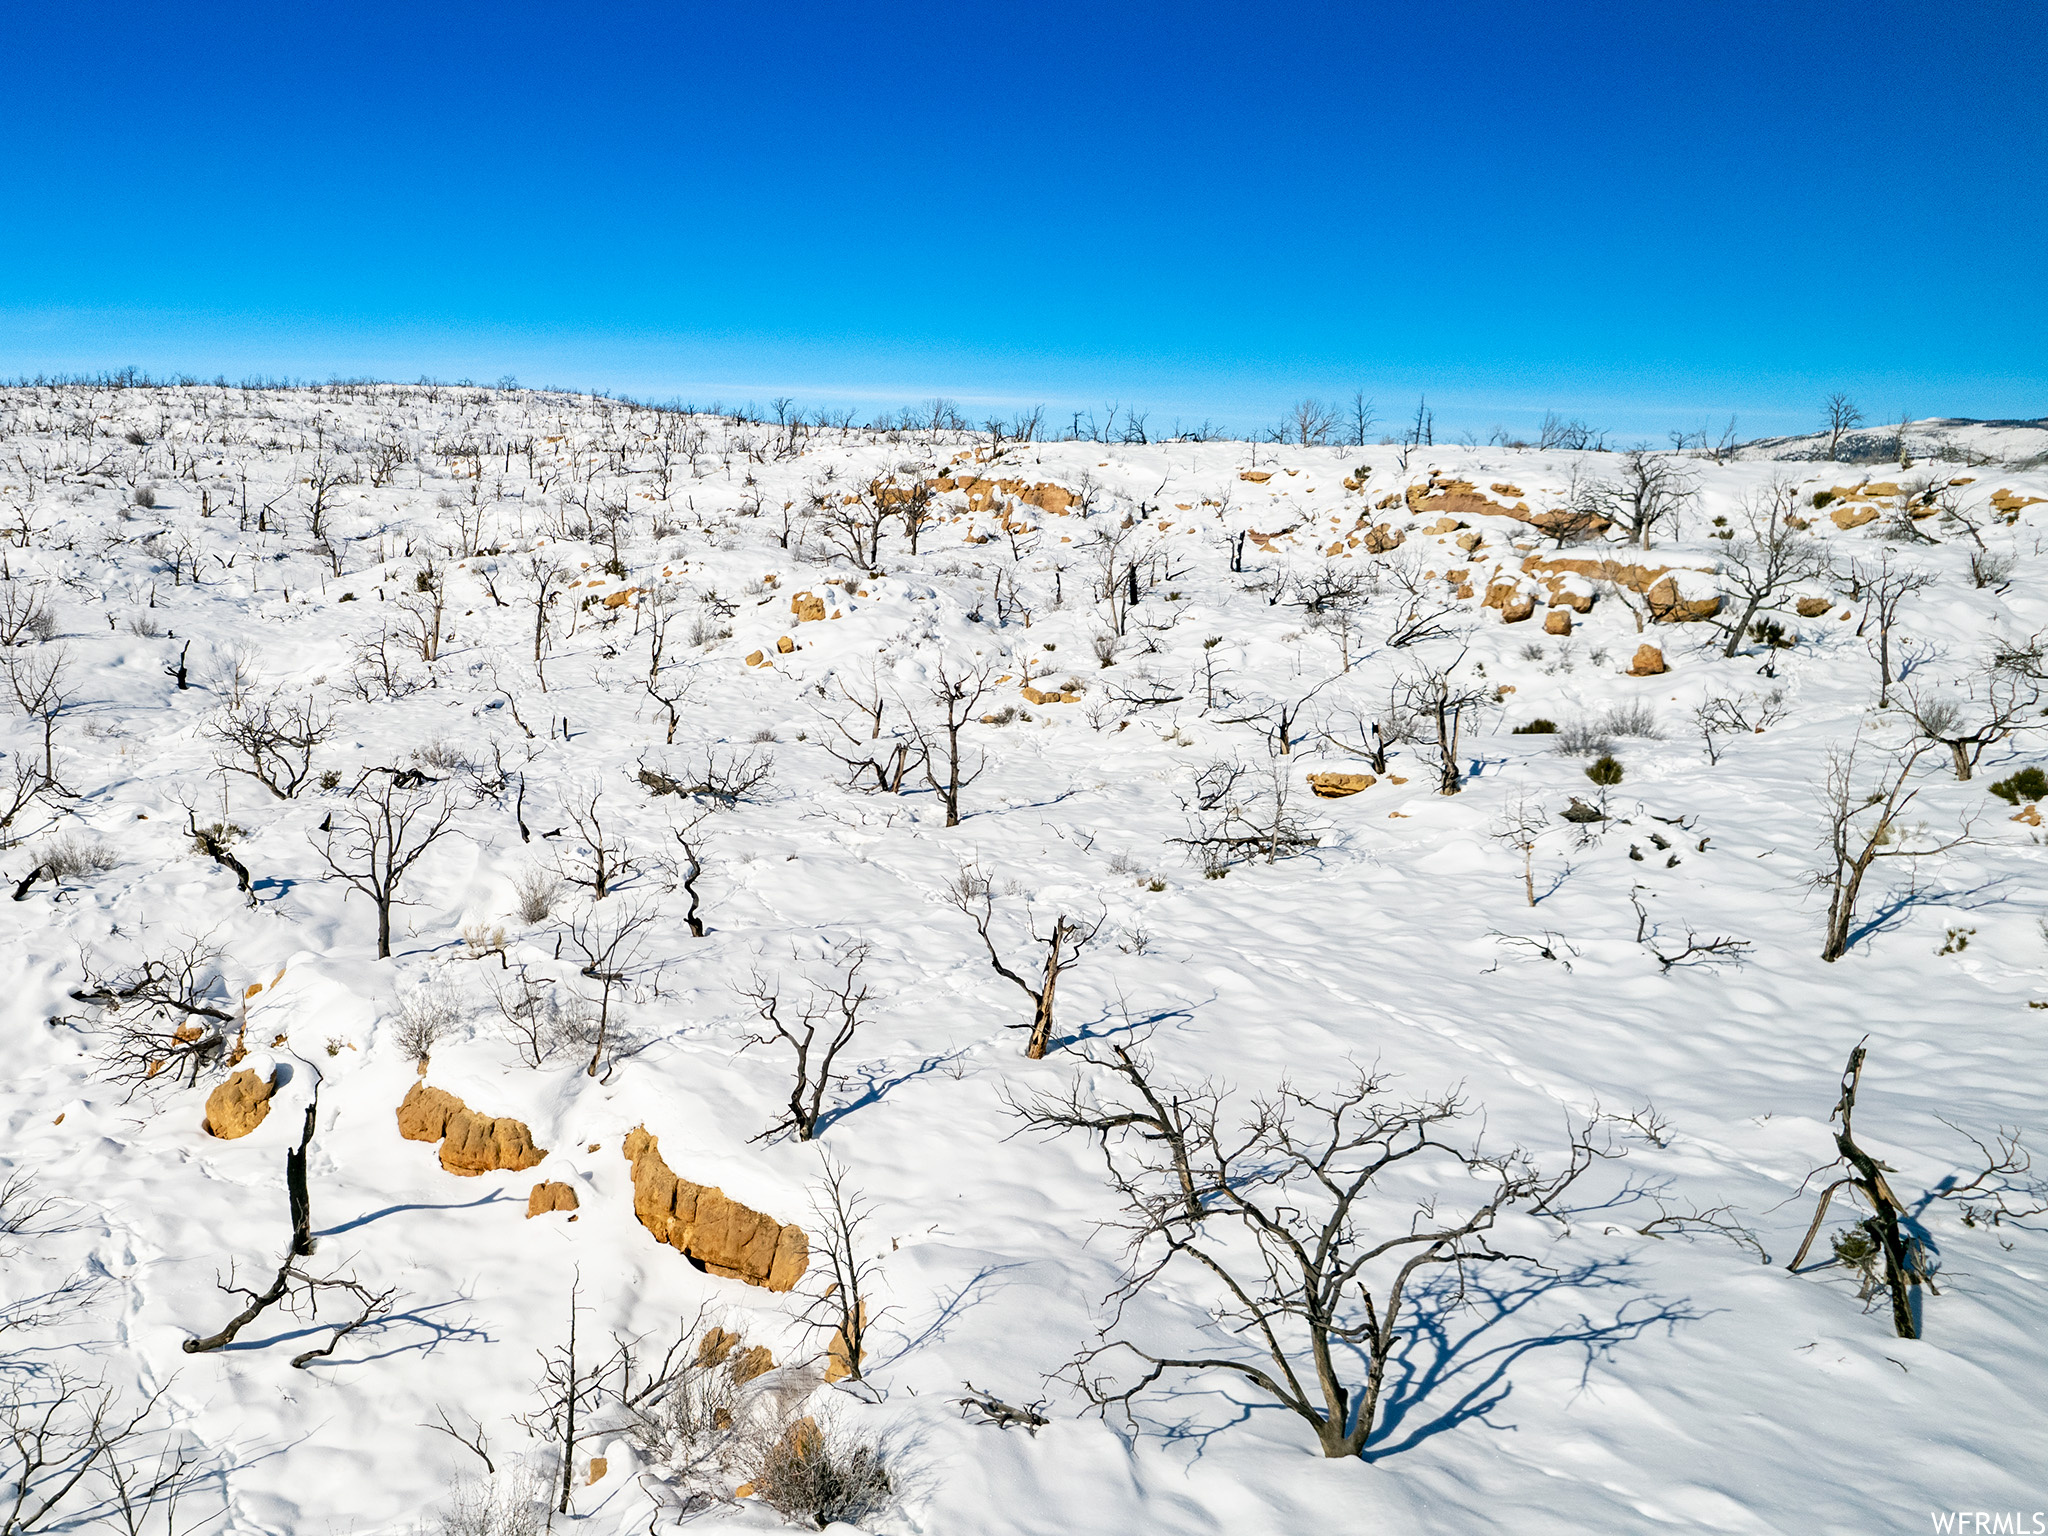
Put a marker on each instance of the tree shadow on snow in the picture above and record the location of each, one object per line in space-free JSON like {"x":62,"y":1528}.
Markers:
{"x":420,"y":1318}
{"x":1897,"y":906}
{"x":495,"y":1197}
{"x":875,"y":1082}
{"x":1454,"y":1361}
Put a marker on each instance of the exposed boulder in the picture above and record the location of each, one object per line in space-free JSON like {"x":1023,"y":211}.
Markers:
{"x":1557,"y":622}
{"x":1335,"y":786}
{"x":806,"y":607}
{"x":1853,"y":516}
{"x":784,"y":644}
{"x":1382,"y":537}
{"x":1649,"y":662}
{"x":238,"y":1106}
{"x":1813,"y":607}
{"x":1670,"y":603}
{"x":470,"y":1143}
{"x":1517,"y":607}
{"x":550,"y":1195}
{"x":728,"y":1239}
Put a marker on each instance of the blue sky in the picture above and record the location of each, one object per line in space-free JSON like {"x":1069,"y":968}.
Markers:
{"x":1649,"y":216}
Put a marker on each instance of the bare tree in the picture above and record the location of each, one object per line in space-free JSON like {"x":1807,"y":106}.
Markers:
{"x":955,"y":691}
{"x":1996,"y":705}
{"x":815,"y":1029}
{"x":373,"y":841}
{"x":422,"y":610}
{"x":1885,"y":587}
{"x":168,"y":1014}
{"x":1360,"y":420}
{"x":1309,"y":423}
{"x":842,"y":1274}
{"x":1278,"y":1219}
{"x":545,"y":578}
{"x":1862,"y":821}
{"x":1437,"y":707}
{"x":572,"y":1391}
{"x":1651,"y":491}
{"x":1064,"y":945}
{"x":1521,"y":822}
{"x":43,"y":686}
{"x":599,"y":857}
{"x":272,"y":742}
{"x":609,"y":942}
{"x":70,"y":1451}
{"x":1236,"y":812}
{"x":1769,"y":558}
{"x":1842,"y":417}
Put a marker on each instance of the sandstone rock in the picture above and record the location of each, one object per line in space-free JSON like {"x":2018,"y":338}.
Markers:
{"x":470,"y":1143}
{"x":755,"y":1360}
{"x":621,"y":598}
{"x":1382,"y":537}
{"x":238,"y":1106}
{"x":2031,"y":815}
{"x":716,"y":1344}
{"x":806,"y":607}
{"x":755,"y":658}
{"x":2010,"y":502}
{"x":1668,"y":605}
{"x":718,"y":1233}
{"x":784,"y":644}
{"x":1256,"y":476}
{"x":842,"y":1354}
{"x":1557,"y":622}
{"x":599,"y":1465}
{"x":1517,"y":608}
{"x":550,"y":1196}
{"x":1469,"y":541}
{"x":1852,"y":516}
{"x":1335,"y":786}
{"x":1649,"y":662}
{"x":1813,"y":607}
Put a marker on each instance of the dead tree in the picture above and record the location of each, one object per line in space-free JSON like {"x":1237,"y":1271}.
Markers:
{"x":609,"y":943}
{"x":955,"y":693}
{"x":374,"y":840}
{"x":545,"y":579}
{"x":1696,"y":950}
{"x":423,"y":610}
{"x":1652,"y":491}
{"x":1521,"y":822}
{"x":842,"y":1276}
{"x":1769,"y":558}
{"x":815,"y":1029}
{"x":1862,"y":825}
{"x":168,"y":1014}
{"x":70,"y":1452}
{"x":43,"y":686}
{"x":1904,"y":1269}
{"x":867,"y":753}
{"x":1235,"y":812}
{"x":1064,"y":946}
{"x":1885,"y":586}
{"x":1842,"y":417}
{"x":1436,"y":706}
{"x":599,"y":858}
{"x":1996,"y":705}
{"x":1279,"y":1218}
{"x":272,"y":743}
{"x":571,"y":1393}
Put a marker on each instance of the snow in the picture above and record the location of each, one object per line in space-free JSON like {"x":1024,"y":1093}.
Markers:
{"x":1612,"y":1381}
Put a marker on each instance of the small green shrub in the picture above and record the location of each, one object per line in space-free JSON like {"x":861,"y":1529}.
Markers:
{"x":1604,"y":772}
{"x":1773,"y":634}
{"x":1536,"y":728}
{"x":1822,"y":498}
{"x":2027,"y":784}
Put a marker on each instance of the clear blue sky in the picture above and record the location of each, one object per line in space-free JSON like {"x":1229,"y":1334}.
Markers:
{"x":1649,"y":215}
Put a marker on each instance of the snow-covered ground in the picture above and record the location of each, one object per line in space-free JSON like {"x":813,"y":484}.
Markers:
{"x":1603,"y":1378}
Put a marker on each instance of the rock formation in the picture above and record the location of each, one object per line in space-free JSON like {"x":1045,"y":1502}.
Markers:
{"x":470,"y":1143}
{"x":725,"y":1237}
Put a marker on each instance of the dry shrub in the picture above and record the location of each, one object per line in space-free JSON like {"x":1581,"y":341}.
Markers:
{"x":807,"y":1471}
{"x":74,"y":856}
{"x":511,"y":1504}
{"x":537,"y":890}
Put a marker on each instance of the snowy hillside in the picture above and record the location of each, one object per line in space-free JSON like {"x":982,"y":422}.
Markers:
{"x":676,"y":739}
